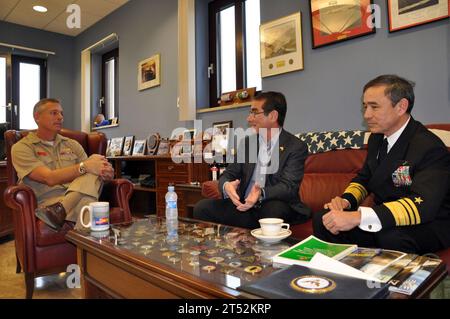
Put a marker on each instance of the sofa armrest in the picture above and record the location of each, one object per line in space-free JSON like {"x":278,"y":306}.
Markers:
{"x":210,"y":189}
{"x":118,"y":193}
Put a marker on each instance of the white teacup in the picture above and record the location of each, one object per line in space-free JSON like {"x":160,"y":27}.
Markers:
{"x":272,"y":226}
{"x":99,"y":216}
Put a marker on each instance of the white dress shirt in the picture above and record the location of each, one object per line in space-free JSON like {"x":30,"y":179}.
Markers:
{"x":369,"y":219}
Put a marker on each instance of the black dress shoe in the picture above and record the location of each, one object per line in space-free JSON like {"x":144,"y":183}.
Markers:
{"x":53,"y":215}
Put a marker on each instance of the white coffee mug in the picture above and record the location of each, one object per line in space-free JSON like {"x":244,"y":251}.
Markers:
{"x":272,"y":226}
{"x":99,"y":216}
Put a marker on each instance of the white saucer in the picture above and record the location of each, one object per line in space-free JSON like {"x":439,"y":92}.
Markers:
{"x":271,"y":239}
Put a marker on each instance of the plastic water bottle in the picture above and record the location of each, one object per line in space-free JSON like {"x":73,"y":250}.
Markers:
{"x":171,"y":204}
{"x":171,"y":214}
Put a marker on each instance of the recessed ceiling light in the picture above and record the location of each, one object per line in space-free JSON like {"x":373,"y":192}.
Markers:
{"x":39,"y":8}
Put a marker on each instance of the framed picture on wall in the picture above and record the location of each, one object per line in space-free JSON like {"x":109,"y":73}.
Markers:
{"x":405,"y":14}
{"x":281,"y":45}
{"x":336,"y":21}
{"x":149,"y":73}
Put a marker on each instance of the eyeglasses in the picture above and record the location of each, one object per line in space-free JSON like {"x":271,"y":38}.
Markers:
{"x":254,"y":112}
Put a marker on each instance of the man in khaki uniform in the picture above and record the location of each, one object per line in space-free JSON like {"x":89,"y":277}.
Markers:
{"x":58,"y":170}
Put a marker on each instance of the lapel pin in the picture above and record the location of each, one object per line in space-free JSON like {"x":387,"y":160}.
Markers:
{"x":282,"y":148}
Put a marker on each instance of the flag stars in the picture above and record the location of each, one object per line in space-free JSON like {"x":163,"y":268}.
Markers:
{"x":320,"y":145}
{"x":348,"y":140}
{"x":333,"y":141}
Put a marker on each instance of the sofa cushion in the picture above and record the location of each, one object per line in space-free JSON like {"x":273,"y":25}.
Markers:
{"x":317,"y":188}
{"x":337,"y":161}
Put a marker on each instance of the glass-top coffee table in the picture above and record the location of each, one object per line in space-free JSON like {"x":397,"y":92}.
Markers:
{"x":200,"y":260}
{"x":144,"y":259}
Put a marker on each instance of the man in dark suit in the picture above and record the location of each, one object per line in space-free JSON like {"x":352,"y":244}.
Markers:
{"x":267,"y":186}
{"x":407,"y":169}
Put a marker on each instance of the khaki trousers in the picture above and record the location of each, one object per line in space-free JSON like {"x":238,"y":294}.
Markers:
{"x":88,"y":185}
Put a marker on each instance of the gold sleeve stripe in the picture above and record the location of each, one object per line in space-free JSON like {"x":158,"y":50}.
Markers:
{"x":410,"y":211}
{"x":399,"y":213}
{"x":414,"y":208}
{"x":357,"y":190}
{"x":362,"y":189}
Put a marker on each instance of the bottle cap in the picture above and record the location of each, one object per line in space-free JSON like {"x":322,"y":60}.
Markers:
{"x":171,"y":188}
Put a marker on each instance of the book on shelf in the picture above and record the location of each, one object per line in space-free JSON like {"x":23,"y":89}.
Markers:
{"x":413,"y":275}
{"x":372,"y":264}
{"x":301,"y":282}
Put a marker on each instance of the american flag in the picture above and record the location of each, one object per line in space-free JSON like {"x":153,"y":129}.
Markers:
{"x":319,"y":142}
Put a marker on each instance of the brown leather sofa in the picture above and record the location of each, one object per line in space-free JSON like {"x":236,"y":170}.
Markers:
{"x":39,"y":249}
{"x":326,"y":176}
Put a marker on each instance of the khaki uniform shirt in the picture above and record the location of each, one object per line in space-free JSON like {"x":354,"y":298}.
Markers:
{"x":31,"y":152}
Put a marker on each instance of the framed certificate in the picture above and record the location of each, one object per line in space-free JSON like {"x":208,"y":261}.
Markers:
{"x":281,"y":45}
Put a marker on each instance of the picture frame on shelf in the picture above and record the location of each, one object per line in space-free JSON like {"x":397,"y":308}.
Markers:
{"x":116,"y":146}
{"x":404,"y":14}
{"x":139,"y":147}
{"x":128,"y":145}
{"x":149,"y":72}
{"x":108,"y":150}
{"x":333,"y":22}
{"x":153,"y":141}
{"x":220,"y":136}
{"x":281,"y":45}
{"x":164,"y":147}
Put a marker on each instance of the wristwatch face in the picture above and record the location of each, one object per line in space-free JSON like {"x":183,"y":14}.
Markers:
{"x":81,"y":168}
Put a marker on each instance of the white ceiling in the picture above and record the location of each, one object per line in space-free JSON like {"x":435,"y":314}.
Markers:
{"x":54,"y":20}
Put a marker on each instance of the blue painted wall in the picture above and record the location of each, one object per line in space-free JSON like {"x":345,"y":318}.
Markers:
{"x":60,"y":66}
{"x":326,"y":94}
{"x":144,"y":28}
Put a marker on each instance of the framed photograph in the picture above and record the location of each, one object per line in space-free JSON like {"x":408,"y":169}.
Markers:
{"x":128,"y":145}
{"x":115,"y":148}
{"x":149,"y":73}
{"x":164,"y":147}
{"x":281,"y":45}
{"x":139,"y":147}
{"x":220,"y":136}
{"x":336,"y":21}
{"x":405,"y":14}
{"x":108,"y":146}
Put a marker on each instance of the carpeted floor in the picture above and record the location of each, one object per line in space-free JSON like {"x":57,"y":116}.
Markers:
{"x":12,"y":285}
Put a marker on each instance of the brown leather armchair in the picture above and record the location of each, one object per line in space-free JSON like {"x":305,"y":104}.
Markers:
{"x":40,"y":250}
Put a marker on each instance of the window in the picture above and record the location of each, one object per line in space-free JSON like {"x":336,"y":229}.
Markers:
{"x":234,"y":51}
{"x":29,"y":85}
{"x":109,"y":106}
{"x":2,"y":89}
